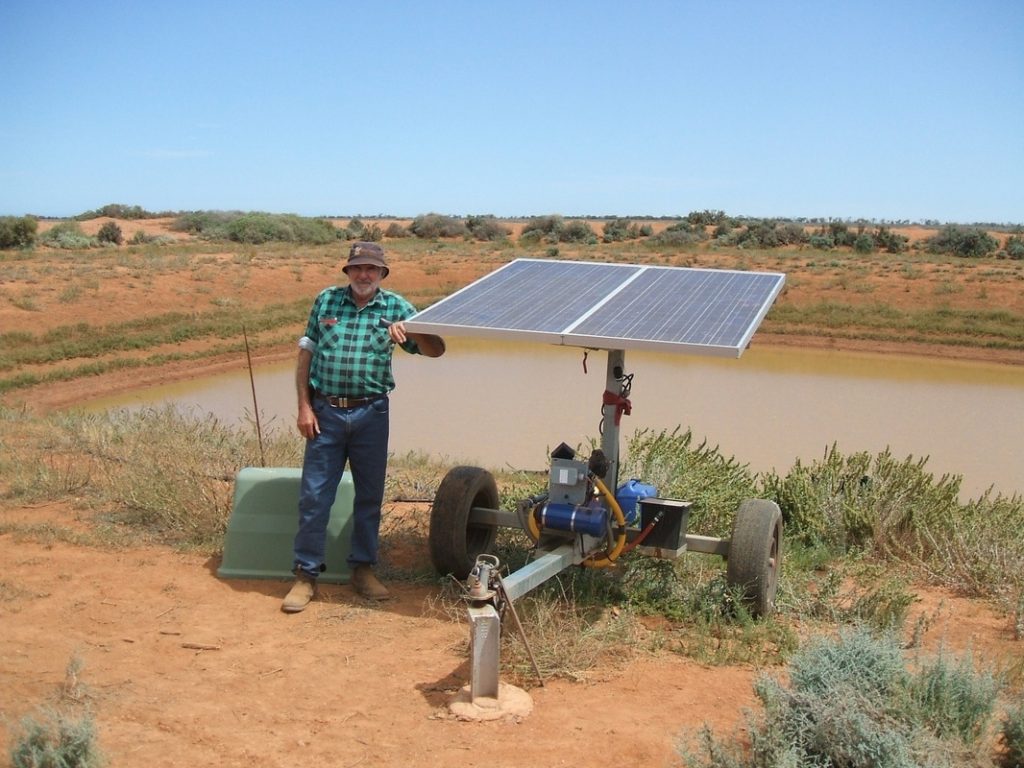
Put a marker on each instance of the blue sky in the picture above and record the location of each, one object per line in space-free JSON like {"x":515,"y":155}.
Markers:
{"x":887,"y":110}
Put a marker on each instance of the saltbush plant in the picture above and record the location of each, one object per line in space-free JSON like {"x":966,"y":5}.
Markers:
{"x":67,"y":235}
{"x":56,"y":741}
{"x":852,"y":701}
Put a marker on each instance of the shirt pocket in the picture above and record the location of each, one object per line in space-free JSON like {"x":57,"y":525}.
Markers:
{"x":331,"y":331}
{"x":379,"y":341}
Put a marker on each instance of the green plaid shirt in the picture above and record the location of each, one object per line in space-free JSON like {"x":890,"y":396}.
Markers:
{"x":352,"y":356}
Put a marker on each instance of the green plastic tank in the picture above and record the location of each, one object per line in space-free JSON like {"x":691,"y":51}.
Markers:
{"x":264,"y":519}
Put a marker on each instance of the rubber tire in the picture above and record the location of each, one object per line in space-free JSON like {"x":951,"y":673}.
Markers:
{"x":454,"y":542}
{"x":755,"y":554}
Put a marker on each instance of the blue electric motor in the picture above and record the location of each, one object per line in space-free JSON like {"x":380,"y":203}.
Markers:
{"x":591,"y":519}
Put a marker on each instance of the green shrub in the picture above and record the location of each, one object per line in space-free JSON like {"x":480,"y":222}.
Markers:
{"x":617,"y":230}
{"x":577,"y":232}
{"x":850,"y":701}
{"x":355,"y":227}
{"x":859,"y":500}
{"x":952,"y":699}
{"x":67,"y":235}
{"x":258,"y":228}
{"x":1012,"y":734}
{"x":969,"y":242}
{"x":839,"y":232}
{"x":431,"y":226}
{"x":889,"y":241}
{"x":110,"y":233}
{"x":723,"y":229}
{"x":864,"y":243}
{"x":141,"y":238}
{"x":822,"y":242}
{"x":767,"y":233}
{"x":1014,"y":247}
{"x":543,"y":229}
{"x":396,"y":230}
{"x":372,"y":232}
{"x":207,"y":224}
{"x":680,"y":235}
{"x":698,"y":473}
{"x":59,"y":742}
{"x":17,"y":232}
{"x":486,"y":228}
{"x":117,"y":211}
{"x":706,"y":218}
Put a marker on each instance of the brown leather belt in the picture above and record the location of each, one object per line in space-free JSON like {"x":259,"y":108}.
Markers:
{"x":349,"y":402}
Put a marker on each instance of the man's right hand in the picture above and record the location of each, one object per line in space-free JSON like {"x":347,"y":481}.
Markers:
{"x":308,"y":426}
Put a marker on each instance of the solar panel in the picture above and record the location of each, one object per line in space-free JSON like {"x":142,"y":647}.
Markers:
{"x":609,"y":306}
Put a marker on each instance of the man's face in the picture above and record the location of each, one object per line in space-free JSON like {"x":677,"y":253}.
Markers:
{"x":364,"y":280}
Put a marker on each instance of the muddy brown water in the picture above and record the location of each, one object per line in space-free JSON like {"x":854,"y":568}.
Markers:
{"x":502,"y":404}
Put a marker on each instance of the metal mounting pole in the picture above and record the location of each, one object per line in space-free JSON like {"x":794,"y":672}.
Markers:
{"x":610,"y":432}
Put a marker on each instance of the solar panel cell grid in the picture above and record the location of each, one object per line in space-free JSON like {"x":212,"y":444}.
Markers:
{"x":609,"y":306}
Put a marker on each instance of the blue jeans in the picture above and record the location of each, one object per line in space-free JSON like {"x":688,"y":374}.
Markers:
{"x":360,"y":437}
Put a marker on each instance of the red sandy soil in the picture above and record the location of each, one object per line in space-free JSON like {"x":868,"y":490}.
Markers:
{"x":180,"y":667}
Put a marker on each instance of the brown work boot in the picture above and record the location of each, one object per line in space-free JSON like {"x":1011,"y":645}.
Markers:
{"x":299,"y":595}
{"x":367,"y":585}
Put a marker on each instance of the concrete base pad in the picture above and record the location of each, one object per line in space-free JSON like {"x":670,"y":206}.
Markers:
{"x":511,"y":702}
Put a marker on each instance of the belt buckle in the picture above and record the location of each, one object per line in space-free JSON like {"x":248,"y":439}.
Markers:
{"x":336,"y":401}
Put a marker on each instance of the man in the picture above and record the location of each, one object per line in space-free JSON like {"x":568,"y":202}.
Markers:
{"x":343,"y":377}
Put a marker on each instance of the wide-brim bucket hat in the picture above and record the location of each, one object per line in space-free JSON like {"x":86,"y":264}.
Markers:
{"x":366,"y":253}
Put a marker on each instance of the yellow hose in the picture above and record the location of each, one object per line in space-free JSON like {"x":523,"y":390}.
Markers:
{"x":620,"y":541}
{"x":532,"y":527}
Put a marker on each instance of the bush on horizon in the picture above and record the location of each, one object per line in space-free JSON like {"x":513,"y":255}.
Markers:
{"x":119,"y":211}
{"x":487,"y":228}
{"x":110,"y":233}
{"x":67,"y":235}
{"x":17,"y":232}
{"x":969,"y":242}
{"x":257,"y":228}
{"x":431,"y":226}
